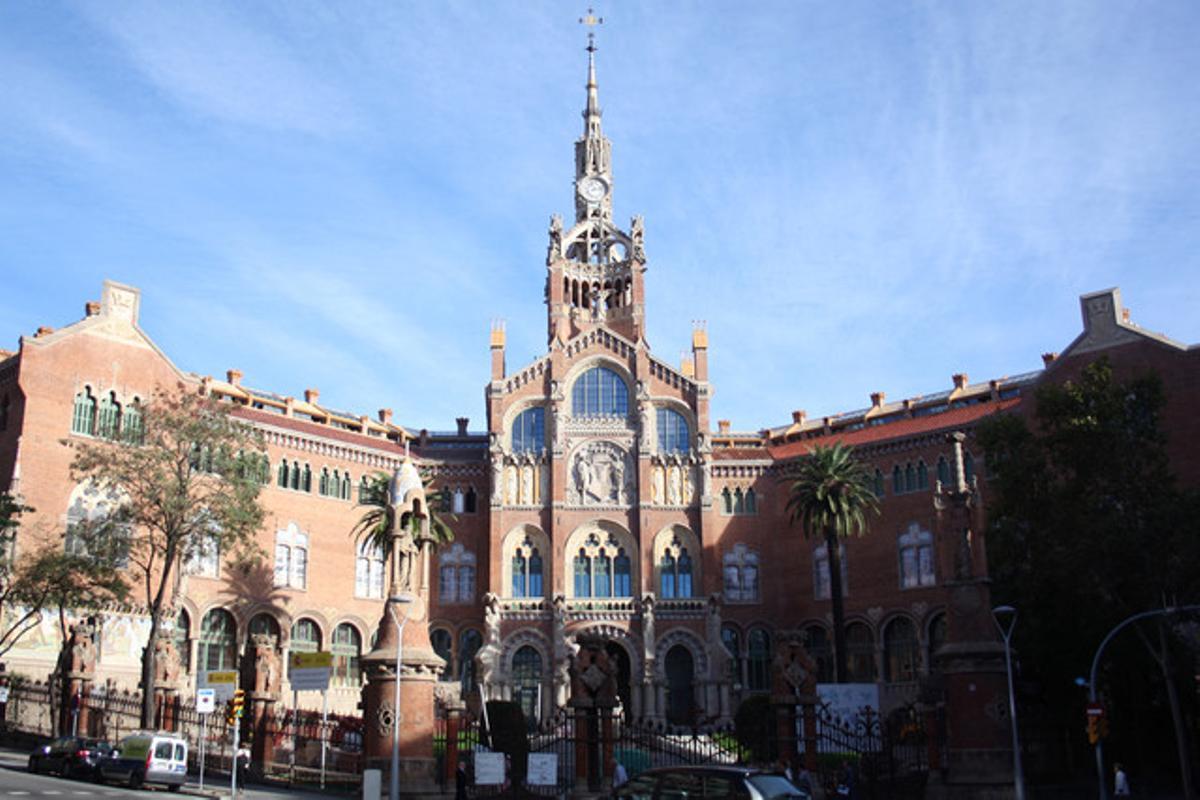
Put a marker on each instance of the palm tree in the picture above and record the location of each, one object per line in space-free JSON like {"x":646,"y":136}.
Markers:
{"x":830,"y":497}
{"x":374,"y":528}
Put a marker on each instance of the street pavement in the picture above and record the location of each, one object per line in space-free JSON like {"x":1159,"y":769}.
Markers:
{"x":17,"y":783}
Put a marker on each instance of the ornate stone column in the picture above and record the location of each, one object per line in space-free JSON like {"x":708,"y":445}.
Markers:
{"x":403,"y":631}
{"x":265,"y":679}
{"x":793,"y":691}
{"x":978,"y":737}
{"x":77,"y":680}
{"x":593,"y":697}
{"x":168,"y":680}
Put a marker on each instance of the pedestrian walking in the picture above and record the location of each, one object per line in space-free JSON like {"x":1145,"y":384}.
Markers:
{"x":1120,"y":781}
{"x":460,"y":781}
{"x":619,"y":776}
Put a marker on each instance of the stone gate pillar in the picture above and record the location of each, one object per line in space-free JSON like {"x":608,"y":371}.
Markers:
{"x":79,"y":676}
{"x":593,"y":698}
{"x":266,"y":670}
{"x":794,"y":699}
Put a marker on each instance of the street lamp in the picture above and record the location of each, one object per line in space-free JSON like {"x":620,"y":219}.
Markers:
{"x":1006,"y":634}
{"x":406,"y":600}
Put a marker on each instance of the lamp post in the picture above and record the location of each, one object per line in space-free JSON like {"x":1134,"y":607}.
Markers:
{"x":406,"y":600}
{"x":1006,"y":634}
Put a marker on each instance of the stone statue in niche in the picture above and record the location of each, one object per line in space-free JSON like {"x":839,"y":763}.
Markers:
{"x":510,"y":484}
{"x":82,"y":653}
{"x":167,"y":665}
{"x":656,"y":484}
{"x":497,"y":479}
{"x":266,"y":664}
{"x":556,"y":231}
{"x":637,"y":233}
{"x":527,"y":485}
{"x":674,"y":490}
{"x":689,"y":486}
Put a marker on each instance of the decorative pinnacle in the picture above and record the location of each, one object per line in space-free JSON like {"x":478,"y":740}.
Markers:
{"x":592,"y":113}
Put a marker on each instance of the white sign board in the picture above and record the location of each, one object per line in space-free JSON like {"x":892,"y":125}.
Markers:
{"x":3,"y":694}
{"x":206,"y":701}
{"x":223,"y":684}
{"x":310,"y":671}
{"x":489,"y":769}
{"x":543,"y":769}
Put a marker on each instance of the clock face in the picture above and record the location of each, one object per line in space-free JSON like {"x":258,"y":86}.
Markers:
{"x":593,"y":189}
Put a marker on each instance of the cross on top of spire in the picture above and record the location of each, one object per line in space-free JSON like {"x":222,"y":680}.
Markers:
{"x":591,"y":20}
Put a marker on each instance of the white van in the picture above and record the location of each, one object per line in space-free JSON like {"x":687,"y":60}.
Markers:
{"x":148,"y":758}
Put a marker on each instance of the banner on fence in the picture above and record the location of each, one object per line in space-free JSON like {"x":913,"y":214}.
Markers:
{"x":489,"y":769}
{"x":310,"y":671}
{"x":223,"y":684}
{"x":543,"y":769}
{"x":847,"y":701}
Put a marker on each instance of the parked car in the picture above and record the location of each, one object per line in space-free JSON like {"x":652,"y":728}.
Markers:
{"x":70,"y":756}
{"x":148,"y":758}
{"x":710,"y":782}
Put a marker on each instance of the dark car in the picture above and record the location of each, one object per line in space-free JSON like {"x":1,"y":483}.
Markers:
{"x":709,"y":782}
{"x":70,"y":756}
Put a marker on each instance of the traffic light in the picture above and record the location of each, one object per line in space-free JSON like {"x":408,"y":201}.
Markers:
{"x":236,"y":707}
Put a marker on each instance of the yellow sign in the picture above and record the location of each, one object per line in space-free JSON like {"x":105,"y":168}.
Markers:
{"x":311,"y":660}
{"x":223,"y":677}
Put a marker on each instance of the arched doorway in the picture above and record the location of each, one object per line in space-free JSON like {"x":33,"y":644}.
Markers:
{"x":527,"y":683}
{"x":620,"y":660}
{"x":680,"y":670}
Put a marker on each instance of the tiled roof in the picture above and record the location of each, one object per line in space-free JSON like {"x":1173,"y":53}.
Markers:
{"x":318,"y":429}
{"x":952,"y":418}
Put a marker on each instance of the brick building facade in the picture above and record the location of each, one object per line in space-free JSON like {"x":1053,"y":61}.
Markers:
{"x":598,"y":499}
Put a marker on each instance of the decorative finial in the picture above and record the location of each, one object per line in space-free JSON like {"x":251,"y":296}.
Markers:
{"x":591,"y":20}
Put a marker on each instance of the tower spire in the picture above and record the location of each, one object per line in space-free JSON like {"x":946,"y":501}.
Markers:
{"x":591,"y":114}
{"x":593,"y":178}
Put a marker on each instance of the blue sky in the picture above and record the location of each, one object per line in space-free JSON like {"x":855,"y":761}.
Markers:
{"x":856,"y":196}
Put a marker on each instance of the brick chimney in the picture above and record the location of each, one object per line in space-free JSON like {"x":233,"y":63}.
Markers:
{"x":462,"y":423}
{"x":234,"y":376}
{"x":799,"y":416}
{"x":385,"y":416}
{"x":960,"y":380}
{"x":1125,"y":316}
{"x":44,"y":330}
{"x":723,"y":426}
{"x":1049,"y":358}
{"x":91,"y":308}
{"x":311,"y":396}
{"x":877,"y":399}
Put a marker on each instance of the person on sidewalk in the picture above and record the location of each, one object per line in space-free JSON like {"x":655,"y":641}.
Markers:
{"x":1120,"y":781}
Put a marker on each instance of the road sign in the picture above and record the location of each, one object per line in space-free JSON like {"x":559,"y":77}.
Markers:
{"x":1095,"y":709}
{"x":206,"y":701}
{"x":223,"y":683}
{"x":310,"y":671}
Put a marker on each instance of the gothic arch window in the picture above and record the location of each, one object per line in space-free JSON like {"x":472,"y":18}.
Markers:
{"x":523,"y":555}
{"x":968,"y":467}
{"x":471,"y":503}
{"x":599,"y":392}
{"x":731,"y":638}
{"x":529,"y":431}
{"x":456,"y":575}
{"x":601,"y":566}
{"x":922,"y":475}
{"x":727,"y":500}
{"x":897,"y":480}
{"x":291,"y":557}
{"x":740,"y":571}
{"x":344,"y":491}
{"x":89,"y":507}
{"x":132,"y":428}
{"x":84,"y":419}
{"x":675,"y":550}
{"x":739,"y":501}
{"x":443,"y":644}
{"x":307,"y":483}
{"x":751,"y":501}
{"x":527,"y":680}
{"x":218,"y":641}
{"x":469,"y":643}
{"x":323,"y":483}
{"x":822,"y":589}
{"x":673,"y":433}
{"x":364,"y":489}
{"x":758,"y":660}
{"x":458,"y":500}
{"x":916,"y":558}
{"x":203,"y":558}
{"x":900,"y":651}
{"x":183,"y":627}
{"x":910,"y":478}
{"x":347,"y":649}
{"x":368,"y":571}
{"x":860,"y":653}
{"x":295,"y":476}
{"x":877,"y":484}
{"x":816,"y":642}
{"x":282,"y":478}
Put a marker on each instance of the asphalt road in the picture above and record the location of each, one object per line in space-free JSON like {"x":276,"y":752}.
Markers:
{"x":17,"y":782}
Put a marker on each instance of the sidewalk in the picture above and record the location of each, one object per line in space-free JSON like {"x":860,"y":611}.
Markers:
{"x":216,"y":784}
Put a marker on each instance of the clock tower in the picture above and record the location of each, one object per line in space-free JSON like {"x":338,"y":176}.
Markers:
{"x":595,"y":270}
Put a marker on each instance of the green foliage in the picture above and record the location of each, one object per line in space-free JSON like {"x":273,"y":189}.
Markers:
{"x":1086,"y":525}
{"x":509,"y":735}
{"x":189,"y":482}
{"x":830,"y":497}
{"x":755,"y":726}
{"x":374,"y":527}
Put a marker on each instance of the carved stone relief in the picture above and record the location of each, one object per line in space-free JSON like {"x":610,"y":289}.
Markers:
{"x":601,"y":474}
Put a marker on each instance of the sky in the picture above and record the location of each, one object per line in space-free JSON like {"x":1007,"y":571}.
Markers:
{"x":854,"y":196}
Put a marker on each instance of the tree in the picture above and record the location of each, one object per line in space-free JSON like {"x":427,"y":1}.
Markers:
{"x":1086,"y":527}
{"x":830,"y":496}
{"x":48,"y":577}
{"x":374,"y":529}
{"x":189,"y":484}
